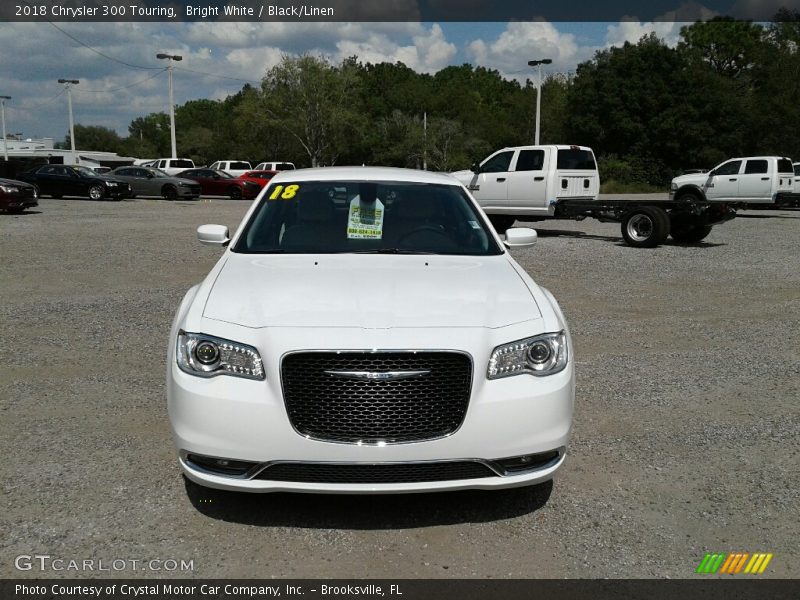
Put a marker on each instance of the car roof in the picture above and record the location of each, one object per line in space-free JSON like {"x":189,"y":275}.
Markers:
{"x":364,"y":174}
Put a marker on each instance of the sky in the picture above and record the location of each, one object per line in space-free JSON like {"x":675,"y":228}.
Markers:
{"x":121,"y":79}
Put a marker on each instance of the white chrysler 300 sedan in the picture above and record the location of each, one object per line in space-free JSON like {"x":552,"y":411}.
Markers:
{"x":366,"y":331}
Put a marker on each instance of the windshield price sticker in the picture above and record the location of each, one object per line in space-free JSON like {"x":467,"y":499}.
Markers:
{"x":365,"y":221}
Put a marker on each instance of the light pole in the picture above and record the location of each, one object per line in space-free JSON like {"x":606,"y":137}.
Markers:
{"x":68,"y":83}
{"x":3,"y":118}
{"x":539,"y":63}
{"x":171,"y":57}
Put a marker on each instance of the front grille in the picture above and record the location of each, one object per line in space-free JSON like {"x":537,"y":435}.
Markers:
{"x":339,"y":409}
{"x":27,"y":192}
{"x":380,"y":473}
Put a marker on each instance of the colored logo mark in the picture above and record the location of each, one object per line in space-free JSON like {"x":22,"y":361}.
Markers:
{"x":734,"y":563}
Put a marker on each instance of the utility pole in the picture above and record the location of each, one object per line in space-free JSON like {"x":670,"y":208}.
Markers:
{"x":538,"y":63}
{"x":170,"y":58}
{"x":425,"y":141}
{"x":68,"y":83}
{"x":3,"y":118}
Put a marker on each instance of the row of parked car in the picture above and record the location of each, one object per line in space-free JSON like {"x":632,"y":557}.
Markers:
{"x":129,"y":182}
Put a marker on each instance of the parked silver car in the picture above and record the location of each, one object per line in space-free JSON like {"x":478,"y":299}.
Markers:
{"x":148,"y":181}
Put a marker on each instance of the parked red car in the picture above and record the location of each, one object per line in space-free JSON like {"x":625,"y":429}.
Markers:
{"x":260,"y":177}
{"x":219,"y":183}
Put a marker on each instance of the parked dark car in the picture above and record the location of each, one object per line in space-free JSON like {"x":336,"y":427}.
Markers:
{"x":16,"y":196}
{"x":219,"y":183}
{"x":148,"y":181}
{"x":63,"y":180}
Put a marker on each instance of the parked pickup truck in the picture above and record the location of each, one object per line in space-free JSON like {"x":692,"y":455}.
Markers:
{"x":752,"y":180}
{"x":536,"y":183}
{"x":173,"y":166}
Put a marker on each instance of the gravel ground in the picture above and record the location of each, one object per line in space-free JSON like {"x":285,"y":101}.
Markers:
{"x":686,"y":433}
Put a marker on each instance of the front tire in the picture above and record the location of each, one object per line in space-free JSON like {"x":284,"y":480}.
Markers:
{"x":236,"y":193}
{"x":690,"y":234}
{"x":96,"y":192}
{"x":501,"y":223}
{"x":170,"y":192}
{"x":645,"y":227}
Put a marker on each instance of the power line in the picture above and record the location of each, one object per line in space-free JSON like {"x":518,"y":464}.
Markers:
{"x":217,"y":76}
{"x":106,"y":56}
{"x":37,"y":106}
{"x":124,"y":87}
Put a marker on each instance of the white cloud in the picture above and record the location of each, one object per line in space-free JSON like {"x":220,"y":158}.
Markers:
{"x":633,"y":31}
{"x":520,"y":42}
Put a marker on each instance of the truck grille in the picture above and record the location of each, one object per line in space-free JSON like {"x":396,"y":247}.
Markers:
{"x":373,"y":474}
{"x":347,"y":409}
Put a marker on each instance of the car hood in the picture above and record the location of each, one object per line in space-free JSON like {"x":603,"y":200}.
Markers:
{"x":698,"y":179}
{"x":14,"y":182}
{"x":369,"y":291}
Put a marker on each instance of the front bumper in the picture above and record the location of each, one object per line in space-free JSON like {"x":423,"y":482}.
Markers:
{"x":246,"y":420}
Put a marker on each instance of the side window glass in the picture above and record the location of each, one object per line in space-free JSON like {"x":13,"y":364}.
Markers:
{"x":530,"y":160}
{"x":755,"y":166}
{"x":499,"y":163}
{"x":729,"y":168}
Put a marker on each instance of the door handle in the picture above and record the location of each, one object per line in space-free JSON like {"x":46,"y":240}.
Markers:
{"x":732,"y":179}
{"x":501,"y":179}
{"x":765,"y":179}
{"x":538,"y":178}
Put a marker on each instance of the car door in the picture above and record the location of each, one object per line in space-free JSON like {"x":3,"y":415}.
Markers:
{"x":490,"y":185}
{"x":527,"y":185}
{"x":74,"y":184}
{"x":126,"y":175}
{"x":47,"y":180}
{"x":755,"y":182}
{"x":723,"y":182}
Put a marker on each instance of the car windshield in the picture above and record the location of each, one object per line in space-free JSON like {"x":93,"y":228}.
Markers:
{"x":310,"y":217}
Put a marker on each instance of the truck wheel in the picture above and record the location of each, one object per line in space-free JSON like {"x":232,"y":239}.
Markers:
{"x":501,"y":222}
{"x":690,"y":234}
{"x":645,"y":227}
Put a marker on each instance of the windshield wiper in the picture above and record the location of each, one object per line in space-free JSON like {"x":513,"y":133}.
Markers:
{"x":391,"y":251}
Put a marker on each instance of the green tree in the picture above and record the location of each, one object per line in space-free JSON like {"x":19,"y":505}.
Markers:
{"x":314,"y":102}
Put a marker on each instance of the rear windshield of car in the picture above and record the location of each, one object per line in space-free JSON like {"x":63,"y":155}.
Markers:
{"x":785,"y":166}
{"x":329,"y":217}
{"x":284,"y":167}
{"x":239,"y":165}
{"x":576,"y":159}
{"x":181,"y":164}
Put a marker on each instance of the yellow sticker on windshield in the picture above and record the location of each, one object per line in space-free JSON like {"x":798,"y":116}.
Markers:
{"x":365,"y":221}
{"x":284,"y":193}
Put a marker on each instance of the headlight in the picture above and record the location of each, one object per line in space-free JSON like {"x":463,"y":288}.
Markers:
{"x":673,"y":186}
{"x":112,"y":183}
{"x":208,"y":356}
{"x":8,"y":189}
{"x":541,"y":355}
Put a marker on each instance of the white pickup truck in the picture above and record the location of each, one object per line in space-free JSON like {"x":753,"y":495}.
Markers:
{"x":173,"y":166}
{"x":752,"y":180}
{"x":529,"y":181}
{"x":535,"y":183}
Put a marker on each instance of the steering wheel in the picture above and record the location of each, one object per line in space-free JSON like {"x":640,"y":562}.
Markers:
{"x":425,"y":228}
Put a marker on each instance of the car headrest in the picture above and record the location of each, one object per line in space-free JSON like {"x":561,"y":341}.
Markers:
{"x":416,"y":207}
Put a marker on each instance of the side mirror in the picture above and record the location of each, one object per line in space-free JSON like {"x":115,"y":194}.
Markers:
{"x":519,"y":237}
{"x":475,"y":168}
{"x":150,"y":175}
{"x":213,"y":235}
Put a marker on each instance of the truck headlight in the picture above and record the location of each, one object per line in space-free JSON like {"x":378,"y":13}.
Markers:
{"x":673,"y":186}
{"x":209,"y":356}
{"x":540,"y":355}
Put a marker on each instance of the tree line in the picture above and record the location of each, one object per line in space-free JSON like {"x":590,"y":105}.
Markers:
{"x":728,"y":88}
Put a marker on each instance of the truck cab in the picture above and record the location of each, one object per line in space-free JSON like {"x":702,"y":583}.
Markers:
{"x":747,"y":180}
{"x":173,"y":166}
{"x":531,"y":180}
